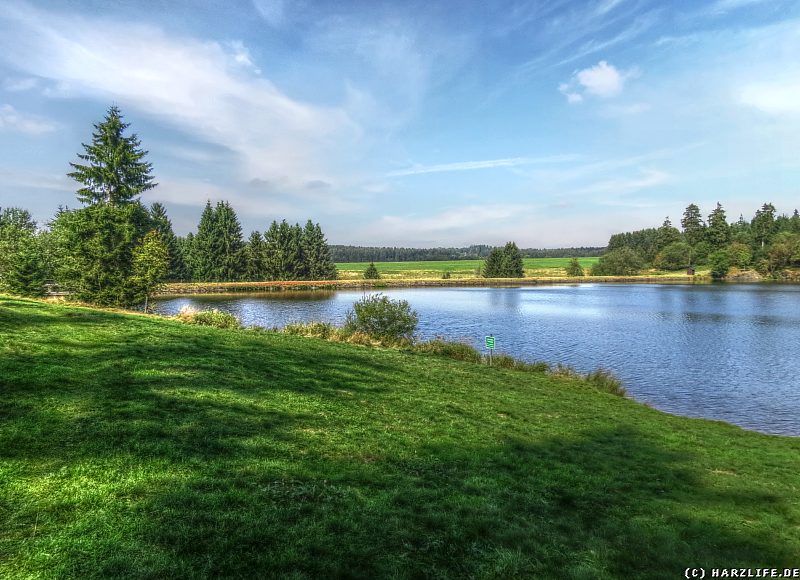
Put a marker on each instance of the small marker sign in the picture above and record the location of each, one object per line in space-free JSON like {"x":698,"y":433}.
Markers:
{"x":490,"y":342}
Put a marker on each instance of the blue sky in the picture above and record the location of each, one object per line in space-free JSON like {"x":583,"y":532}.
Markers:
{"x":553,"y":123}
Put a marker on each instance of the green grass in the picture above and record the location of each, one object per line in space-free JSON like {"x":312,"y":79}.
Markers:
{"x":457,"y":268}
{"x":137,"y":447}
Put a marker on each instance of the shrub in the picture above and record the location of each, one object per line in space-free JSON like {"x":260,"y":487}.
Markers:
{"x":605,"y":381}
{"x":720,"y":263}
{"x":621,"y":262}
{"x":215,"y":318}
{"x":505,"y":361}
{"x":371,"y":273}
{"x":447,"y":349}
{"x":676,"y":256}
{"x":315,"y":329}
{"x":379,"y":317}
{"x":574,"y":268}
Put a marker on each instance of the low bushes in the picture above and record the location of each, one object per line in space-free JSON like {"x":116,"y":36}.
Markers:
{"x":378,"y":316}
{"x":215,"y":318}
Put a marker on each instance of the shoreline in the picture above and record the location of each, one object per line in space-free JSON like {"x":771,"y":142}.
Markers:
{"x":181,"y":288}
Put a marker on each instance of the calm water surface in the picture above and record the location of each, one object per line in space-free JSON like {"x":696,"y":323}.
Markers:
{"x":729,"y":352}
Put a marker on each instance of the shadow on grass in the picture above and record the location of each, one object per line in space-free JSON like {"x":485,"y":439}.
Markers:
{"x":212,"y":454}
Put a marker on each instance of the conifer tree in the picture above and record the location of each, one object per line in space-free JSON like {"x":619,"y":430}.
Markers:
{"x":718,"y":233}
{"x":150,"y":265}
{"x":667,"y":234}
{"x":284,"y":252}
{"x":203,"y":246}
{"x":229,"y":260}
{"x":763,"y":224}
{"x":317,"y":254}
{"x":115,"y":171}
{"x":492,"y":265}
{"x":163,"y":225}
{"x":511,"y":265}
{"x":255,"y":267}
{"x":371,"y":273}
{"x":692,"y":224}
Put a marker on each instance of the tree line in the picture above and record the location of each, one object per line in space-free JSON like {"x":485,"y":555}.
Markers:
{"x":768,"y":243}
{"x":116,"y":251}
{"x":342,"y":253}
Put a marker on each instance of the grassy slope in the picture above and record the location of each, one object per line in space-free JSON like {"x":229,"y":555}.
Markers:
{"x":457,"y":268}
{"x":132,"y":446}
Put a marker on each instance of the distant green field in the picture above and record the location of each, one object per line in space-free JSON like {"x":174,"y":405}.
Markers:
{"x":457,"y":268}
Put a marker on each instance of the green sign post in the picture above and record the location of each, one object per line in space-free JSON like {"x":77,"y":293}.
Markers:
{"x":489,"y":341}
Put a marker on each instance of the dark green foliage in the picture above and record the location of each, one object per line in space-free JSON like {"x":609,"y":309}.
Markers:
{"x":317,"y":254}
{"x":380,"y":317}
{"x":94,"y":251}
{"x":763,"y":224}
{"x":371,"y":273}
{"x":504,"y":262}
{"x":693,"y":226}
{"x":217,"y":251}
{"x":27,"y":269}
{"x":621,"y":262}
{"x":115,"y":171}
{"x":675,"y":256}
{"x":17,"y":230}
{"x":163,"y":225}
{"x":284,"y":252}
{"x":574,"y":268}
{"x":644,"y":242}
{"x":255,"y":258}
{"x":718,"y":233}
{"x":341,"y":253}
{"x":720,"y":262}
{"x":667,"y":234}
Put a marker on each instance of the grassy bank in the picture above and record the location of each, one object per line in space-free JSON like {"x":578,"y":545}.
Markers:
{"x":132,"y":446}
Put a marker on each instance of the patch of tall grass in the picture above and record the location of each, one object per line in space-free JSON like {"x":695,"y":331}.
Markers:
{"x":215,"y":318}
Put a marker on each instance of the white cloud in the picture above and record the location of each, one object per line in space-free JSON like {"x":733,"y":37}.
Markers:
{"x":202,"y":88}
{"x":602,"y":80}
{"x":272,"y":11}
{"x":647,"y":178}
{"x":13,"y":120}
{"x":487,"y":164}
{"x":772,"y":98}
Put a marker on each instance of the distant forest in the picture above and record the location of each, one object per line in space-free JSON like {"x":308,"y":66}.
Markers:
{"x":341,"y":253}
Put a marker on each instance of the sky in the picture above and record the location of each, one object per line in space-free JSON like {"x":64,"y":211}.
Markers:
{"x":552,"y":123}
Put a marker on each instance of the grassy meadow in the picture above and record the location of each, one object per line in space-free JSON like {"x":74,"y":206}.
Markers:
{"x":133,"y":446}
{"x":542,"y":267}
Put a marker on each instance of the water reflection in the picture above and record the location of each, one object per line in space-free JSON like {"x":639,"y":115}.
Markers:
{"x":729,"y":352}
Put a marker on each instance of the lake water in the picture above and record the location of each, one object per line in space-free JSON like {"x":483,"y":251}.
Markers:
{"x":729,"y":352}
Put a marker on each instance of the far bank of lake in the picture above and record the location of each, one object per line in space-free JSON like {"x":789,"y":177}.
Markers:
{"x":728,"y":352}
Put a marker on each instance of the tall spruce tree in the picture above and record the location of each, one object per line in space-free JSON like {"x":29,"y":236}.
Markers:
{"x":718,"y":233}
{"x":763,"y":224}
{"x":203,"y":246}
{"x":95,"y":244}
{"x":317,"y":254}
{"x":230,"y":244}
{"x":284,"y":252}
{"x":692,"y":224}
{"x":163,"y":225}
{"x":115,"y":171}
{"x":511,"y":264}
{"x":255,"y":267}
{"x":667,"y":234}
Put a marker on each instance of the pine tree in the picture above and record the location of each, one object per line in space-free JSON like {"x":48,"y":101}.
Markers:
{"x":667,"y":234}
{"x":203,"y":248}
{"x":27,"y":269}
{"x":255,"y":268}
{"x":492,"y":267}
{"x":718,"y":233}
{"x":163,"y":225}
{"x":317,"y":254}
{"x":763,"y":224}
{"x":284,"y":252}
{"x":230,"y":257}
{"x":371,"y":273}
{"x":115,"y":171}
{"x":511,"y":265}
{"x":692,"y":224}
